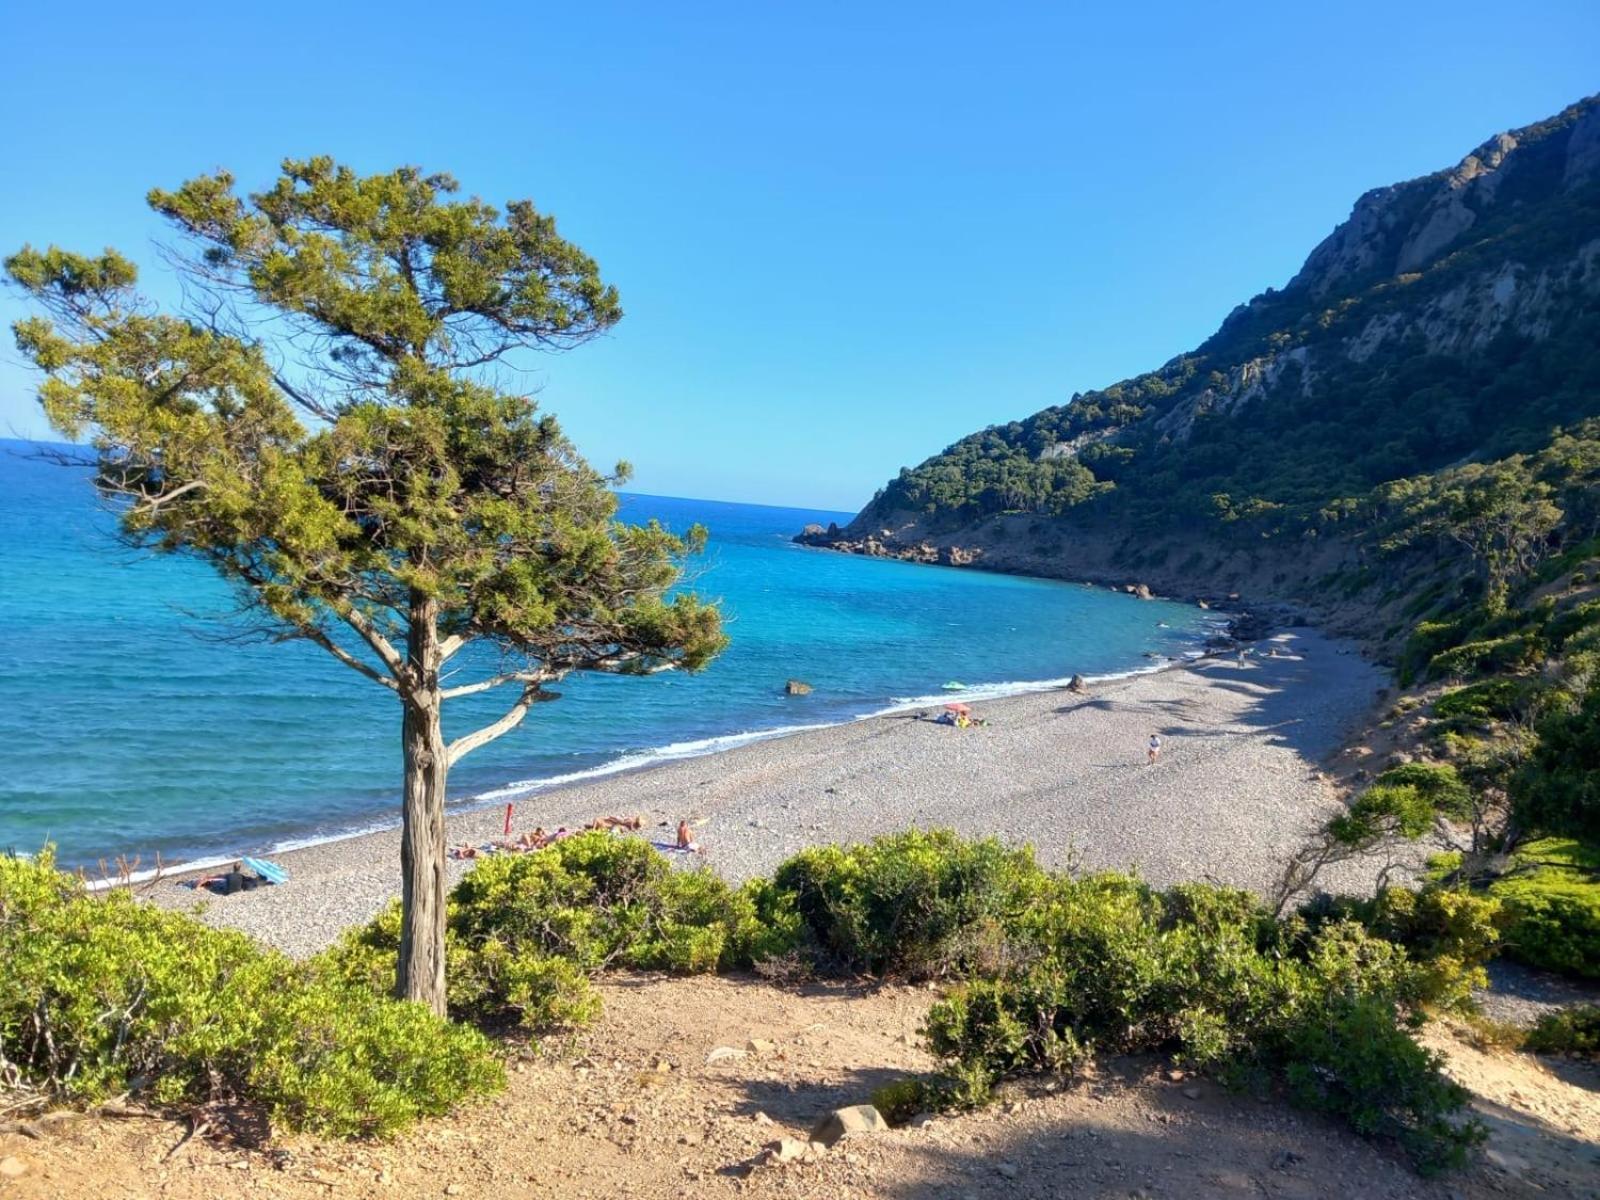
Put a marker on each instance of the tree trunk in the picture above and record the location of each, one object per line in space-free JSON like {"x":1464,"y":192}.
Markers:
{"x":422,"y":847}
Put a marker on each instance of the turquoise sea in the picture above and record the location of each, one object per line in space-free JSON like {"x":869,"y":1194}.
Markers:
{"x":132,"y":723}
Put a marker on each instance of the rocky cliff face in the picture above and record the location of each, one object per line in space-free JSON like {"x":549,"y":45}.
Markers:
{"x":1408,"y":324}
{"x":1408,"y":226}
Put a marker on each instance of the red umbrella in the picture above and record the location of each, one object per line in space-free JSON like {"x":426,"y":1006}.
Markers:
{"x":957,"y":708}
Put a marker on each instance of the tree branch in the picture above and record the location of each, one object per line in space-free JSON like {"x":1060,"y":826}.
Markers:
{"x":381,"y":645}
{"x":465,"y":745}
{"x":468,"y":689}
{"x":350,"y":660}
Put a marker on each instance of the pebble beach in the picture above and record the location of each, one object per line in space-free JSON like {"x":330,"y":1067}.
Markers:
{"x":1236,"y":790}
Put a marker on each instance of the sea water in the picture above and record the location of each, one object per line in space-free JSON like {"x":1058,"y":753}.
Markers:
{"x":134,"y":720}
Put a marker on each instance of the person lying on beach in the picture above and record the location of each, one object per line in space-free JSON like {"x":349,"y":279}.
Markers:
{"x":634,"y":823}
{"x":230,"y":882}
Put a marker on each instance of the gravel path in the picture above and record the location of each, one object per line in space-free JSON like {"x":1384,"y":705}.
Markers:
{"x":1235,"y":792}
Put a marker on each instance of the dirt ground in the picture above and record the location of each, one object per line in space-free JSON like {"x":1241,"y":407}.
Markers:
{"x":683,"y":1082}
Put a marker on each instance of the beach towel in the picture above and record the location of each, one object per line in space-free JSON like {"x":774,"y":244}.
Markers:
{"x":269,"y":871}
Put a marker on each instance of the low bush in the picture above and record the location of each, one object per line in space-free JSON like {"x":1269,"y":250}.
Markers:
{"x":1574,"y":1030}
{"x":1428,"y":640}
{"x":1481,"y":657}
{"x":1557,"y":790}
{"x":1403,"y":801}
{"x":1488,"y":700}
{"x":103,"y":996}
{"x":903,"y":1099}
{"x":919,"y":905}
{"x":525,"y":932}
{"x":1551,"y":895}
{"x":1207,"y":974}
{"x":1450,"y":933}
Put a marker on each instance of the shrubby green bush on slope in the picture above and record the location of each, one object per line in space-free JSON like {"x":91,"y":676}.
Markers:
{"x":102,"y":996}
{"x":1552,"y":898}
{"x":1207,"y":974}
{"x":1574,"y":1030}
{"x":1449,"y":931}
{"x":1055,"y":968}
{"x":524,"y":932}
{"x":920,"y":905}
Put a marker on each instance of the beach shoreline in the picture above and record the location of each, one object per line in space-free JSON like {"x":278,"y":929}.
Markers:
{"x":1237,"y":789}
{"x":627,"y":763}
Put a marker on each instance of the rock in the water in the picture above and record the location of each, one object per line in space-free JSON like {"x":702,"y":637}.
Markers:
{"x":797,"y":687}
{"x":847,"y":1122}
{"x":1142,"y":590}
{"x":813,"y":530}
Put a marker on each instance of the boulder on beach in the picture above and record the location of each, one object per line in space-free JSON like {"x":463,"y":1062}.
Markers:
{"x":1079,"y":684}
{"x":797,"y":687}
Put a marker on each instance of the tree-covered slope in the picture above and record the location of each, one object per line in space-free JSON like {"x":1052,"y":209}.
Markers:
{"x":1453,"y":317}
{"x":1405,"y":441}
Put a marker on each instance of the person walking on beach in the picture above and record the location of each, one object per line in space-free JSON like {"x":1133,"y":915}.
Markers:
{"x":1154,"y":751}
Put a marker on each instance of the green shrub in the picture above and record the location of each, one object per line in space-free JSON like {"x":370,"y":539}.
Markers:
{"x":1566,"y":626}
{"x":1488,"y":700}
{"x":103,"y":995}
{"x":1552,"y":897}
{"x":1207,"y":974}
{"x":1449,"y":932}
{"x":1427,"y":640}
{"x":1404,"y":801}
{"x":1348,"y":1056}
{"x":1574,"y":1030}
{"x":903,"y":1099}
{"x":1558,"y":789}
{"x":914,"y":904}
{"x":1482,"y":657}
{"x":525,"y":932}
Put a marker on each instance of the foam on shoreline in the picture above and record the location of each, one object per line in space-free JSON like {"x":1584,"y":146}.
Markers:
{"x":645,"y":760}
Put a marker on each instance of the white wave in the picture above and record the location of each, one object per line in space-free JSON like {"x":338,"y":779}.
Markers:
{"x":1021,"y":687}
{"x":639,"y":760}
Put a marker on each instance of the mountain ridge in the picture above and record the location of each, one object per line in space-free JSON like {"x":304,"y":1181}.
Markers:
{"x":1450,"y":319}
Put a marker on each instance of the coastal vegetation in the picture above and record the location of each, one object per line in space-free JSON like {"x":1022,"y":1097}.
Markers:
{"x":104,"y":998}
{"x":1045,"y":970}
{"x":1407,"y":438}
{"x":320,"y":424}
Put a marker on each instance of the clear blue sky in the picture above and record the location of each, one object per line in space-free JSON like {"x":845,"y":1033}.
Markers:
{"x":845,"y":235}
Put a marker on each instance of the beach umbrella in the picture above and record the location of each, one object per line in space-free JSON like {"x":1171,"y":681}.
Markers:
{"x":959,"y":709}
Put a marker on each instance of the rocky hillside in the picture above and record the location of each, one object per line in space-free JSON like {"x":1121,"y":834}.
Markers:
{"x":1451,"y":321}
